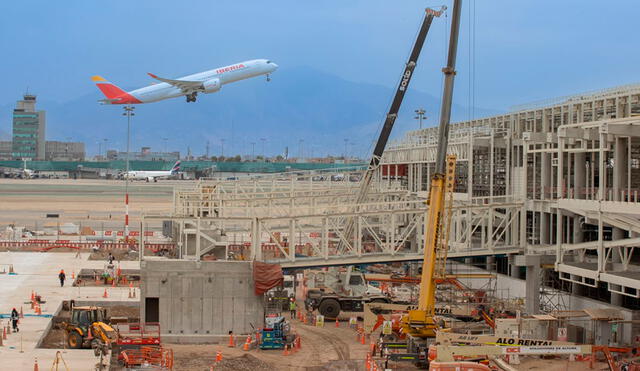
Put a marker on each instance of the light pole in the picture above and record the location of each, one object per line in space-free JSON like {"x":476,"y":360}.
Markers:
{"x":346,"y":142}
{"x":222,"y":148}
{"x":420,"y":115}
{"x":301,"y":154}
{"x":105,"y":147}
{"x":128,"y":111}
{"x":165,"y":144}
{"x":253,"y":151}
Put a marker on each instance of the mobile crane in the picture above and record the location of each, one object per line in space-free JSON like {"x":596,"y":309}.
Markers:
{"x":390,"y":119}
{"x":419,"y":323}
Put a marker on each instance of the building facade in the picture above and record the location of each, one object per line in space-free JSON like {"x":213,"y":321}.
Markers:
{"x":29,"y":128}
{"x":145,"y":154}
{"x":64,"y":151}
{"x":6,"y":148}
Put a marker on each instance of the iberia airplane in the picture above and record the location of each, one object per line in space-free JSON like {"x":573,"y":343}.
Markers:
{"x":204,"y":82}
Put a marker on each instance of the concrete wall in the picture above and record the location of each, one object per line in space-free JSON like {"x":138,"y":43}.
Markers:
{"x":201,"y":302}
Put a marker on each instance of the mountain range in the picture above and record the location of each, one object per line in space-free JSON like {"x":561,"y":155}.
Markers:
{"x":299,"y":103}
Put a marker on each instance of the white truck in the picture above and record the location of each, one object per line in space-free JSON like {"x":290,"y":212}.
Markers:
{"x":334,"y":291}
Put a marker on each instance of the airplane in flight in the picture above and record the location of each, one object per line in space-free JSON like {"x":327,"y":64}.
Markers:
{"x":153,"y":176}
{"x":204,"y":82}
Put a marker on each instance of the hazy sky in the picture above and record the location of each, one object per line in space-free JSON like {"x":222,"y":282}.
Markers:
{"x":524,"y":50}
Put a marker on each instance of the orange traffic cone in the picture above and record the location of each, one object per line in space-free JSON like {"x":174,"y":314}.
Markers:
{"x":21,"y":314}
{"x":367,"y":362}
{"x":337,"y":323}
{"x":232,"y":344}
{"x":113,"y":282}
{"x":218,"y":356}
{"x":33,"y":295}
{"x":362,"y":339}
{"x":247,"y":343}
{"x":35,"y":365}
{"x":286,"y":350}
{"x":105,"y":295}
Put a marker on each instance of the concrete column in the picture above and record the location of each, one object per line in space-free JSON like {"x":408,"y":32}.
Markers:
{"x":619,"y":167}
{"x":532,"y":299}
{"x":576,"y":289}
{"x":616,"y":234}
{"x":579,"y":175}
{"x":490,"y":263}
{"x":545,"y":175}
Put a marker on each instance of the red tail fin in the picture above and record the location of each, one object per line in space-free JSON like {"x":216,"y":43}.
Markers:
{"x":109,"y":90}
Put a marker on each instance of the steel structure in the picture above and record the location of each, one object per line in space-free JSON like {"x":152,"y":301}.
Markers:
{"x":574,"y":166}
{"x":527,"y":182}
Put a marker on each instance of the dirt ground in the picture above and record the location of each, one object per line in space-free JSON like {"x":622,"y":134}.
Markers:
{"x":55,"y":338}
{"x":326,"y":348}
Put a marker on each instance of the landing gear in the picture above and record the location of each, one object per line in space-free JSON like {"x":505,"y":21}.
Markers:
{"x":191,"y":97}
{"x":268,"y":77}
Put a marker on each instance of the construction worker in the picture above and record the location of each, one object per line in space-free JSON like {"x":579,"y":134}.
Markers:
{"x":14,"y":319}
{"x":292,"y":307}
{"x":62,"y":277}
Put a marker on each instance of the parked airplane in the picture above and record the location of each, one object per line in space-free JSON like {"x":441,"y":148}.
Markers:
{"x":204,"y":82}
{"x":153,"y":176}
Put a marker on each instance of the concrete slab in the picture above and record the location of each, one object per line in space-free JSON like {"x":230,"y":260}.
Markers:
{"x":39,"y":272}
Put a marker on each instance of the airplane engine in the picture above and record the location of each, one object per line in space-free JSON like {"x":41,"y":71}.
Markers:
{"x":211,"y":86}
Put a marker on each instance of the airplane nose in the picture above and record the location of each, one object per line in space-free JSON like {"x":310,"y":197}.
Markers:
{"x":275,"y":66}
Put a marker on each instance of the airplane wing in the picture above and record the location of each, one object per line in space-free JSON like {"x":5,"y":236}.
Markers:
{"x":185,"y":86}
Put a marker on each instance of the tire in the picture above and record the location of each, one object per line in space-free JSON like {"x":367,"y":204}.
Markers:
{"x":74,"y":340}
{"x":330,"y":308}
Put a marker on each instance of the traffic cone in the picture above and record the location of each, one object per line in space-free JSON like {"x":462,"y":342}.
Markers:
{"x":218,"y":356}
{"x":113,"y":282}
{"x":35,"y":365}
{"x":247,"y":343}
{"x":105,"y":295}
{"x":21,"y":314}
{"x":33,"y":296}
{"x":337,"y":323}
{"x":286,"y":350}
{"x":232,"y":343}
{"x":367,"y":362}
{"x":362,"y":339}
{"x":298,"y":342}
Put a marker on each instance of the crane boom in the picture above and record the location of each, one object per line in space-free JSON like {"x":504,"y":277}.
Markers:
{"x":420,"y":322}
{"x":391,"y":116}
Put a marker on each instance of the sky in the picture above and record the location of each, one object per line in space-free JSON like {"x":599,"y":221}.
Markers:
{"x":510,"y":52}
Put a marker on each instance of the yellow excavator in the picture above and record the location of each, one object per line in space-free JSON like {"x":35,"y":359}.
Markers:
{"x":89,"y":328}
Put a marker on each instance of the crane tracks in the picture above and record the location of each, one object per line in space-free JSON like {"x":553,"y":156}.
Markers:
{"x":340,"y":347}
